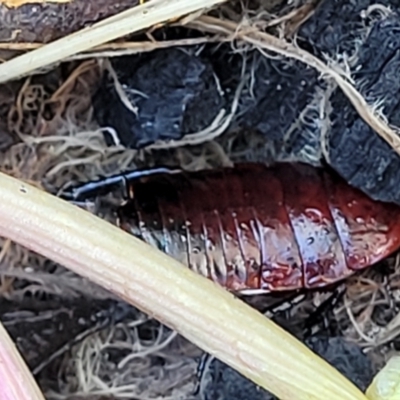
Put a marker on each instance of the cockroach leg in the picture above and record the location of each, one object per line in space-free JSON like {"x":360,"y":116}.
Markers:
{"x":319,"y":315}
{"x":201,"y":373}
{"x":285,"y":305}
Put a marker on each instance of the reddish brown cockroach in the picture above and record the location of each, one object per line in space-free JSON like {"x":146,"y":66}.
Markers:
{"x":256,"y":229}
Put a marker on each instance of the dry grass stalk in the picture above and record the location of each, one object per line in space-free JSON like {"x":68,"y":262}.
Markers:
{"x":210,"y":317}
{"x":133,"y":20}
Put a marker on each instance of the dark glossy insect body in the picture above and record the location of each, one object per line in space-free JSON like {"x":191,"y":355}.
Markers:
{"x":254,"y":228}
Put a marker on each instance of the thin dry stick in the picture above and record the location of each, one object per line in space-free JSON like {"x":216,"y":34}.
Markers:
{"x":128,"y":45}
{"x":118,"y":49}
{"x":133,"y":20}
{"x":269,"y":42}
{"x":16,"y":381}
{"x":194,"y":306}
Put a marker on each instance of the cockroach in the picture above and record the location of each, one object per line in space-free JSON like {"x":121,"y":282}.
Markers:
{"x":255,"y":229}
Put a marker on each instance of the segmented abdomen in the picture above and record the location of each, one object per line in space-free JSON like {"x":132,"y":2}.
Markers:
{"x":254,"y":228}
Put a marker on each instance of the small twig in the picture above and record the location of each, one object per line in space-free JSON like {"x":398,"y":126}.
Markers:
{"x":117,"y":49}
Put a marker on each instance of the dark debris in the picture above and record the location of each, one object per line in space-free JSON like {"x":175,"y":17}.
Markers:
{"x":56,"y":324}
{"x":284,"y":101}
{"x":362,"y":157}
{"x":172,"y":93}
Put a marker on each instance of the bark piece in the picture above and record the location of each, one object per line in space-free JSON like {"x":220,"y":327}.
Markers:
{"x":48,"y":21}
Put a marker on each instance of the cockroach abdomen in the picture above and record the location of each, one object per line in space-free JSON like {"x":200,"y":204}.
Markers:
{"x":313,"y":224}
{"x":257,"y":229}
{"x":369,"y":230}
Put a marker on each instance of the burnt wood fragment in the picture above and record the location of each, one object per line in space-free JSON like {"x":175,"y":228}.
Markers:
{"x":162,"y":95}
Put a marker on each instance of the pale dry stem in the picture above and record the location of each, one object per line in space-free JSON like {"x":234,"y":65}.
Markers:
{"x":195,"y":307}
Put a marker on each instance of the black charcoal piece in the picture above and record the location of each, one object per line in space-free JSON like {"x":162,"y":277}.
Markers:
{"x":225,"y":383}
{"x":171,"y":93}
{"x":280,"y":90}
{"x":355,"y":150}
{"x":346,"y":357}
{"x":281,"y":103}
{"x":285,"y":97}
{"x":287,"y":102}
{"x":336,"y":27}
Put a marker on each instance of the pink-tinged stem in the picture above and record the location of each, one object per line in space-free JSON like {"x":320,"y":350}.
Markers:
{"x":16,"y":381}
